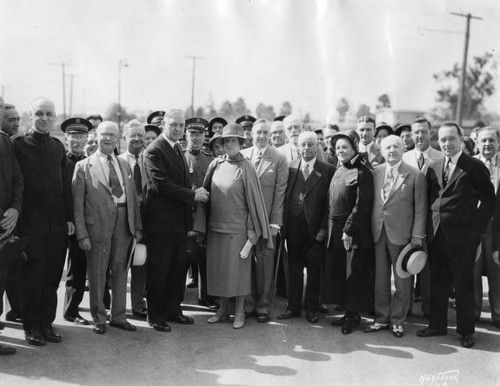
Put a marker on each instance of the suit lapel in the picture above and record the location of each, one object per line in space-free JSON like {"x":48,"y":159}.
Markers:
{"x":267,"y":159}
{"x":172,"y":154}
{"x":402,"y":174}
{"x":125,"y":176}
{"x":313,"y":179}
{"x":458,"y":171}
{"x":97,"y":170}
{"x":292,"y":177}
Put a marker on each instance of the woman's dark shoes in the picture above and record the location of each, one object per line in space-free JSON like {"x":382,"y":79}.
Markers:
{"x":35,"y":338}
{"x":311,"y":317}
{"x":348,"y":326}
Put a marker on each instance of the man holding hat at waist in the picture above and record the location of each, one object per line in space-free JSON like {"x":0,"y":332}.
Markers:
{"x":107,"y":217}
{"x":76,"y":132}
{"x":398,"y":217}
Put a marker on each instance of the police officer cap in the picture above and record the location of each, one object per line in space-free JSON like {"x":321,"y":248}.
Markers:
{"x":245,"y":121}
{"x":196,"y":124}
{"x":155,"y":114}
{"x":153,"y":128}
{"x":279,"y":118}
{"x":76,"y":126}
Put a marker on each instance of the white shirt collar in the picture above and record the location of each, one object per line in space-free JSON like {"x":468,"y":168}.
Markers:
{"x":493,"y":159}
{"x":171,"y":143}
{"x":261,"y":150}
{"x":455,"y":158}
{"x":310,"y":163}
{"x":367,"y":148}
{"x":394,"y":168}
{"x":425,"y":152}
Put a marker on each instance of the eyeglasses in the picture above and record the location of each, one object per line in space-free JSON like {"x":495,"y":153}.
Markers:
{"x":109,"y":135}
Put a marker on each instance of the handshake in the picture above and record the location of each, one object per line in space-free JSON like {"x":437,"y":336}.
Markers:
{"x":201,"y":194}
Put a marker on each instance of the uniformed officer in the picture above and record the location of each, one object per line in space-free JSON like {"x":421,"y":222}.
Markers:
{"x":198,"y":161}
{"x":76,"y":132}
{"x":246,"y":121}
{"x":156,"y":118}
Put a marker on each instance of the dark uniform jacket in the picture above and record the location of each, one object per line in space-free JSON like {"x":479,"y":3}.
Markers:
{"x":11,"y":178}
{"x":47,"y":193}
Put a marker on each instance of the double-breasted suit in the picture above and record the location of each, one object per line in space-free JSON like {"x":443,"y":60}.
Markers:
{"x":110,"y":226}
{"x":395,"y":219}
{"x":168,"y":213}
{"x":305,"y":214}
{"x":272,"y":172}
{"x":459,"y":212}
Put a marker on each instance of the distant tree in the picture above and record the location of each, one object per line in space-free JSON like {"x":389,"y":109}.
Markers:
{"x":286,"y":108}
{"x":112,"y":114}
{"x":342,"y":108}
{"x":479,"y":85}
{"x":265,"y":112}
{"x":363,"y":110}
{"x":306,"y":119}
{"x":210,"y":108}
{"x":240,"y":107}
{"x":227,"y":111}
{"x":200,"y":112}
{"x":383,"y":101}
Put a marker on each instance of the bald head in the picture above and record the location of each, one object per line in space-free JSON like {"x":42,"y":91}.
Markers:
{"x":42,"y":114}
{"x":107,"y":136}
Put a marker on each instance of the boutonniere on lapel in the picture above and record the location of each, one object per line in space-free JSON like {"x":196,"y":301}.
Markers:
{"x":317,"y":173}
{"x":238,"y":174}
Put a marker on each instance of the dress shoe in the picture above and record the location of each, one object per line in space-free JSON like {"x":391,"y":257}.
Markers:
{"x":99,"y":328}
{"x":218,"y":317}
{"x":78,"y":320}
{"x":467,"y":341}
{"x":125,"y":326}
{"x":161,"y":326}
{"x":263,"y":318}
{"x":51,"y":336}
{"x":181,"y":319}
{"x":347,"y":326}
{"x":13,"y":317}
{"x":35,"y":338}
{"x":427,"y":332}
{"x":7,"y":350}
{"x":311,"y":317}
{"x":376,"y":327}
{"x":143,"y":314}
{"x":288,"y":314}
{"x":356,"y":320}
{"x":397,"y":330}
{"x":208,"y":303}
{"x":239,"y":321}
{"x":323,"y":308}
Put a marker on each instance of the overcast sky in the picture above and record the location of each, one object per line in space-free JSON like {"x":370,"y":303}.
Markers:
{"x":309,"y":52}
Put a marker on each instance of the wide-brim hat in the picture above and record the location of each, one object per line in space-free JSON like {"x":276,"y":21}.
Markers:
{"x":351,"y":135}
{"x":402,"y":127}
{"x":233,"y":130}
{"x":138,"y":253}
{"x":410,"y":261}
{"x":153,"y":128}
{"x":213,"y":139}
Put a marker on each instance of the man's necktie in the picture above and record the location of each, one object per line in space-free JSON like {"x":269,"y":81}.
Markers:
{"x":446,"y":172}
{"x":306,"y":172}
{"x":137,"y":175}
{"x":491,"y":169}
{"x":194,"y":152}
{"x":421,"y":161}
{"x":257,"y":161}
{"x":388,"y":183}
{"x":114,"y":181}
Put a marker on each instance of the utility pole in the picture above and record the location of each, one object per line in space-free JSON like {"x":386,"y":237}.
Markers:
{"x":71,"y":77}
{"x":192,"y":85}
{"x":121,"y":63}
{"x":3,"y":91}
{"x":461,"y":92}
{"x":63,"y":66}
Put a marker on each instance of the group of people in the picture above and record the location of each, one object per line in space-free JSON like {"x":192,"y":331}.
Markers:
{"x":242,"y":204}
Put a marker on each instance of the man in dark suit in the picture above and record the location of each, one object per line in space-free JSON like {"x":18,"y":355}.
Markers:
{"x":305,"y":225}
{"x":272,"y":170}
{"x":461,"y":203}
{"x":168,"y":217}
{"x":46,"y":220}
{"x":107,"y":218}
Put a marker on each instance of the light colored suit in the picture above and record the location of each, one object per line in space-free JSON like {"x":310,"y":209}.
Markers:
{"x":410,"y":158}
{"x":290,"y":151}
{"x":110,"y":229}
{"x":395,"y":220}
{"x":273,"y":176}
{"x":374,"y":157}
{"x":486,"y":265}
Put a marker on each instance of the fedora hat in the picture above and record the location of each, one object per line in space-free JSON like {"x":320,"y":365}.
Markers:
{"x":410,"y":261}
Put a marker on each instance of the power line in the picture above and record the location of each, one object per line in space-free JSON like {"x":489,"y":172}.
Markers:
{"x":194,"y":58}
{"x":63,"y":66}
